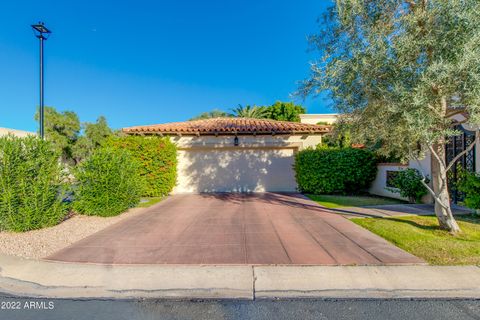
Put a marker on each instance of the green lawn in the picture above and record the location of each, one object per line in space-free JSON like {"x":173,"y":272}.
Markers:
{"x":150,"y":202}
{"x":334,"y":201}
{"x":421,"y":236}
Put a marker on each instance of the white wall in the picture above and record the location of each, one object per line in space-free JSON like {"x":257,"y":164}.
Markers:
{"x":15,"y":132}
{"x":379,"y":185}
{"x":235,"y":170}
{"x":301,"y":141}
{"x":312,"y":118}
{"x":259,"y":163}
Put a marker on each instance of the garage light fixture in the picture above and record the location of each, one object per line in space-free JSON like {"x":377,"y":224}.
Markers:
{"x":235,"y":141}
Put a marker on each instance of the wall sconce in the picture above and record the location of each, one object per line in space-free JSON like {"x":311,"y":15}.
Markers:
{"x":235,"y":141}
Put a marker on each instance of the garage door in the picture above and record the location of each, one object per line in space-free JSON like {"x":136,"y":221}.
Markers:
{"x":235,"y":170}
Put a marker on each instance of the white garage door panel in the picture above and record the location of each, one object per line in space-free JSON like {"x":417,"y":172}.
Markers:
{"x":235,"y":170}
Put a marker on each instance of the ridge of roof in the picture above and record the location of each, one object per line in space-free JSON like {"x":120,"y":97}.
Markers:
{"x":229,"y":125}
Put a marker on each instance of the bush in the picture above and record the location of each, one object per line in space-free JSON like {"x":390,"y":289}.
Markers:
{"x":408,"y":183}
{"x":158,"y":159}
{"x":30,"y":184}
{"x":334,"y":170}
{"x":470,"y":185}
{"x":109,"y":183}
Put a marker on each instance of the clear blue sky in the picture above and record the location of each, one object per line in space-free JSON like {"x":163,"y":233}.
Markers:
{"x":144,"y":62}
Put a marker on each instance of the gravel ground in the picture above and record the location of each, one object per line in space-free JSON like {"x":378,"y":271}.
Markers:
{"x":44,"y":242}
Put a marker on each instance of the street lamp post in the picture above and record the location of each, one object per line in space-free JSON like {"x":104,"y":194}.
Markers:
{"x":42,"y":33}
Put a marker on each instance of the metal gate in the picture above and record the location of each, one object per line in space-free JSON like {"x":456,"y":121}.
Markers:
{"x":454,"y":146}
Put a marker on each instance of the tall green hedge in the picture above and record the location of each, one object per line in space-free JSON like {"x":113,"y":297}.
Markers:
{"x":31,"y":187}
{"x":334,"y":170}
{"x":108,"y":183}
{"x":158,"y":158}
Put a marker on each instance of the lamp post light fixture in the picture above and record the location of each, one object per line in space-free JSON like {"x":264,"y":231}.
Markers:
{"x":42,"y":33}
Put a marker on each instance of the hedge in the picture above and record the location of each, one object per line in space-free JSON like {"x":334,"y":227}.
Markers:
{"x":408,"y":183}
{"x":108,"y":183}
{"x":31,"y":188}
{"x":334,"y":170}
{"x":158,"y":158}
{"x":469,"y":184}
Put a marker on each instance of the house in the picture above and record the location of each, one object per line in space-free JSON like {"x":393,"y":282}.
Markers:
{"x":236,"y":154}
{"x":318,"y":118}
{"x":386,"y":171}
{"x":15,"y":132}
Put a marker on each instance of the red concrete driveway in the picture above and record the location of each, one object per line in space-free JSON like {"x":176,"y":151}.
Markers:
{"x":266,"y":228}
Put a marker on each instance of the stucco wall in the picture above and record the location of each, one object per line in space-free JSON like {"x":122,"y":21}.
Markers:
{"x":15,"y":132}
{"x":302,"y":141}
{"x":312,"y":118}
{"x":257,"y":164}
{"x":379,"y":185}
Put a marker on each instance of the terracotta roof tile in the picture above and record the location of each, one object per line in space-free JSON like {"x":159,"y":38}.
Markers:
{"x":229,"y":126}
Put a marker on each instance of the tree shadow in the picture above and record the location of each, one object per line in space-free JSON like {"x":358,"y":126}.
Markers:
{"x":415,"y":224}
{"x":471,"y":218}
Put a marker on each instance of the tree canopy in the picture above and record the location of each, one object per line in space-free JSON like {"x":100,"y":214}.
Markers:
{"x":74,"y":140}
{"x":62,"y":129}
{"x":285,"y":111}
{"x":94,"y":134}
{"x":250,"y":112}
{"x":215,"y":113}
{"x":401,"y":70}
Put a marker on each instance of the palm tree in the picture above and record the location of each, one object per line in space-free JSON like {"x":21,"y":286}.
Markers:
{"x":250,"y":112}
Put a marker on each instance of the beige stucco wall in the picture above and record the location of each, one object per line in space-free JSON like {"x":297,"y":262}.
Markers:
{"x":15,"y":132}
{"x":257,"y":164}
{"x":379,"y":185}
{"x":312,"y":118}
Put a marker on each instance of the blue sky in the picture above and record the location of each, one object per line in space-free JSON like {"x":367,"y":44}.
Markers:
{"x":145,"y":62}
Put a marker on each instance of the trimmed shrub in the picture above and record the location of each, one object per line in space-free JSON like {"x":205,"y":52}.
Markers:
{"x":158,"y":159}
{"x":108,"y":183}
{"x":470,"y":185}
{"x":334,"y":170}
{"x":31,"y":186}
{"x":408,"y":183}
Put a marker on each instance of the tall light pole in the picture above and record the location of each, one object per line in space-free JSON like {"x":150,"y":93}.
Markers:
{"x":42,"y":33}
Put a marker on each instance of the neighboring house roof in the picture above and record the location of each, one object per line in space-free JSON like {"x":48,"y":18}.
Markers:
{"x":15,"y":132}
{"x":219,"y":126}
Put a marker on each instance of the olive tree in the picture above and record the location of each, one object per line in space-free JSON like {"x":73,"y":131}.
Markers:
{"x":402,"y":70}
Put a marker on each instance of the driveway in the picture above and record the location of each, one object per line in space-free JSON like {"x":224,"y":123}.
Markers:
{"x":230,"y":228}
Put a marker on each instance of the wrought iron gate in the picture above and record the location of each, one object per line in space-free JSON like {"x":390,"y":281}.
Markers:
{"x":454,"y":146}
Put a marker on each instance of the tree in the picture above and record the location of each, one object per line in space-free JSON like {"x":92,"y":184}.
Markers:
{"x":62,"y":129}
{"x":401,"y":70}
{"x":340,"y":136}
{"x":93,"y":137}
{"x":250,"y":112}
{"x":285,"y":111}
{"x":215,"y":113}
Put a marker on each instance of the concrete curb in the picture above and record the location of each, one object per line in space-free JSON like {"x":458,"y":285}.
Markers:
{"x":367,"y":282}
{"x":37,"y":278}
{"x":68,"y":280}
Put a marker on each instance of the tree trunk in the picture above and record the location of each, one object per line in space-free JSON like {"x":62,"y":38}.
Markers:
{"x":443,"y":210}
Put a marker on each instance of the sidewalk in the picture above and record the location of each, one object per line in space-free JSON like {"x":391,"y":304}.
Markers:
{"x":36,"y":278}
{"x":392,"y":210}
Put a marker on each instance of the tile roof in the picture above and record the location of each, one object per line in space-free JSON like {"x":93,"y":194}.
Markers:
{"x":219,"y":126}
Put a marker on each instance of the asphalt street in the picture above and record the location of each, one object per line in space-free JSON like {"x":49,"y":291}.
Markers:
{"x":13,"y":308}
